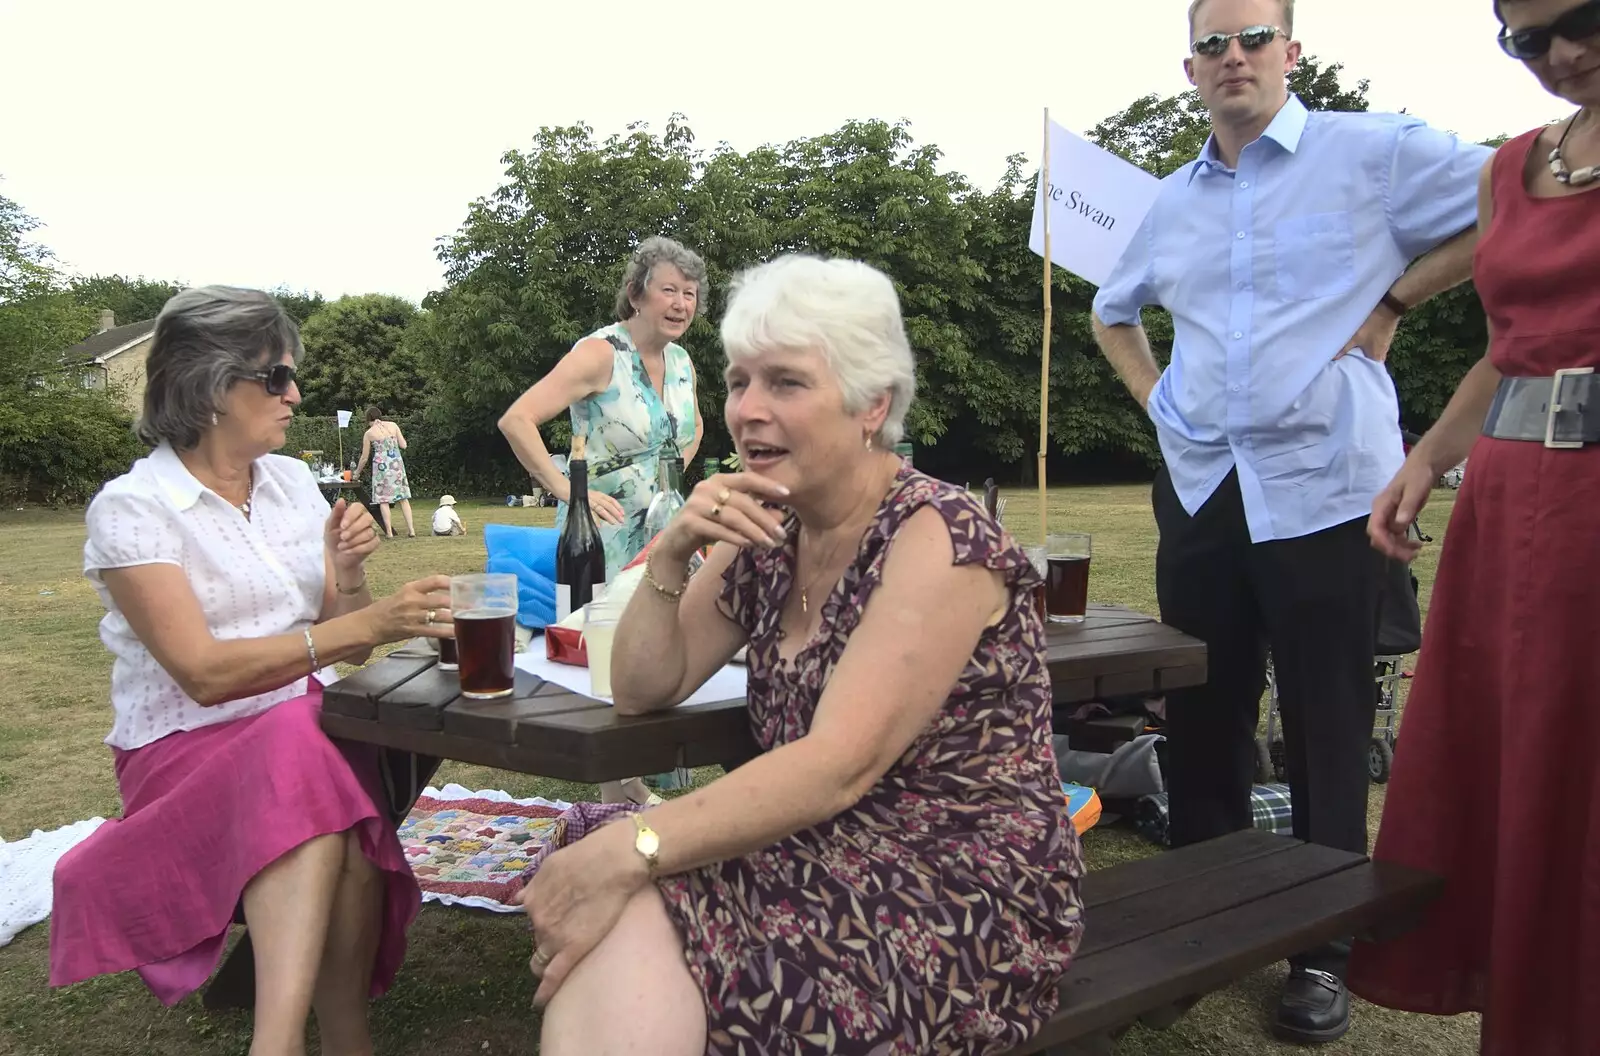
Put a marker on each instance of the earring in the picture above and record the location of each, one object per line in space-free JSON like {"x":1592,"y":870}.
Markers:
{"x":869,"y":441}
{"x":213,"y":417}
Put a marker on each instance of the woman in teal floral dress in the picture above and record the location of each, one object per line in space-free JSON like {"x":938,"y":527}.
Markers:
{"x":630,"y":389}
{"x":895,"y":871}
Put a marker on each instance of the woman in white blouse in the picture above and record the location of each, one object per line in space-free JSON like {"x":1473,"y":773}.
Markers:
{"x":228,"y":584}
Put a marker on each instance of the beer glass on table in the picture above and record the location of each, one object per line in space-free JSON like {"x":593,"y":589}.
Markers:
{"x":1066,"y":595}
{"x":485,"y":607}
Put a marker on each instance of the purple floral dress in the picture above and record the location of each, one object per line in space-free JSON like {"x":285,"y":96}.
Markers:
{"x":938,"y":914}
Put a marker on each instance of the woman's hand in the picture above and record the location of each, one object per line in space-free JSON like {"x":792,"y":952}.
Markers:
{"x":727,"y":508}
{"x":350,"y":536}
{"x":605,"y":508}
{"x":576,"y":898}
{"x":1397,"y":506}
{"x":421,"y":607}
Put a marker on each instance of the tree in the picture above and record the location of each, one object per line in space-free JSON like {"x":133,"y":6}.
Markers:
{"x":58,"y":439}
{"x":132,"y":300}
{"x":357,"y":356}
{"x":300,"y":306}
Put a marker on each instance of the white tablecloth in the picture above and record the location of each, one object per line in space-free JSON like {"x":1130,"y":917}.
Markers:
{"x":730,"y":683}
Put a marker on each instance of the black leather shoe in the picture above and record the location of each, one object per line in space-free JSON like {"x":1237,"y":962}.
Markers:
{"x":1314,"y":1008}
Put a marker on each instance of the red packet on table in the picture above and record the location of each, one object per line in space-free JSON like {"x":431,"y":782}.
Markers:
{"x":564,"y":645}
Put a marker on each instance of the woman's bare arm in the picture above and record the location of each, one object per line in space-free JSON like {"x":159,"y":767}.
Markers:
{"x":580,"y":374}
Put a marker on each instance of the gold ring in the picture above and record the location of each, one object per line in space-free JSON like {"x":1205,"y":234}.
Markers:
{"x":723,"y":496}
{"x":541,"y":958}
{"x":716,"y":509}
{"x":431,"y":614}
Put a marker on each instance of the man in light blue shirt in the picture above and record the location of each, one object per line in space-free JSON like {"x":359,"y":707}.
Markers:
{"x":1282,"y":253}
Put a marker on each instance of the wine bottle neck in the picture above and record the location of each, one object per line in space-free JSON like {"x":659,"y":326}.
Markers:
{"x":578,"y":474}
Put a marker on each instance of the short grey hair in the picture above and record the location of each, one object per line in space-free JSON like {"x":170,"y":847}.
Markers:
{"x":1288,"y":15}
{"x":206,"y":341}
{"x":846,"y":310}
{"x":652,"y":251}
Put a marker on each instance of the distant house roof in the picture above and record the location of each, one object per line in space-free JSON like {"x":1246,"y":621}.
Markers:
{"x":104,"y":345}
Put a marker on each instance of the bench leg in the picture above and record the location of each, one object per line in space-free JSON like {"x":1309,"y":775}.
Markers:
{"x":234,"y":987}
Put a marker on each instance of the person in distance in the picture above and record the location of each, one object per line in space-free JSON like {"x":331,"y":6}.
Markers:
{"x":896,"y":870}
{"x":228,"y":584}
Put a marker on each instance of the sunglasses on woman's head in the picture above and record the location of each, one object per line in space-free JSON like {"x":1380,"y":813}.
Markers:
{"x":277,"y":378}
{"x":1581,"y":23}
{"x":1251,"y":38}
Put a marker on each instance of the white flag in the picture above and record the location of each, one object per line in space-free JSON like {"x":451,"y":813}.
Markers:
{"x":1097,"y":202}
{"x":344,"y":419}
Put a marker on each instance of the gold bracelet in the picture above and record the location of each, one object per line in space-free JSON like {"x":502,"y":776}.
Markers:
{"x":353,"y":590}
{"x":671,"y":595}
{"x":311,"y":650}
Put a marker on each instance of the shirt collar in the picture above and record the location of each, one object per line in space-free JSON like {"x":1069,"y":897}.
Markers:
{"x":1287,"y":127}
{"x":174,"y":477}
{"x":185,"y":490}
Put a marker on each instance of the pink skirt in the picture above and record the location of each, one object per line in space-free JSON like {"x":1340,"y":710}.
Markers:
{"x":204,"y":811}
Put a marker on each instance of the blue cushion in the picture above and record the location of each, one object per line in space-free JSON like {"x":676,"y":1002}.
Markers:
{"x":529,"y":554}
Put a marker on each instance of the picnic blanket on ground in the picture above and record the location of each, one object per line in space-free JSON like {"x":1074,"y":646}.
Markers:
{"x":471,"y":848}
{"x":1269,"y":810}
{"x":27,"y":868}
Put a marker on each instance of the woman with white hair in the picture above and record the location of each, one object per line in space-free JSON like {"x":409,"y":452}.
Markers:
{"x":228,"y":585}
{"x":896,"y":871}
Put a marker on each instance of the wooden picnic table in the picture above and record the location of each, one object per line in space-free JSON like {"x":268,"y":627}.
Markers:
{"x":405,"y":702}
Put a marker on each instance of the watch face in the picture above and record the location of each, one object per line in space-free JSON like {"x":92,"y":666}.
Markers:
{"x":648,"y":844}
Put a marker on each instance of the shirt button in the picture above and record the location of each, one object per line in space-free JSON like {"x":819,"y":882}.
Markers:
{"x":1243,"y":185}
{"x":1236,"y":388}
{"x":1237,"y":335}
{"x":1239,"y":235}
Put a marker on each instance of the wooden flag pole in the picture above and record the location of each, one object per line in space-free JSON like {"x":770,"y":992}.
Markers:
{"x":1044,"y":363}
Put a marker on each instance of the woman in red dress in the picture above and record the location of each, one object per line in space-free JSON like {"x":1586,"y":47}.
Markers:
{"x":1496,"y":783}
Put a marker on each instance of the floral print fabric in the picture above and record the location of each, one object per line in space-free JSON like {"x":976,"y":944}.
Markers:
{"x":940,"y":912}
{"x":389,"y":483}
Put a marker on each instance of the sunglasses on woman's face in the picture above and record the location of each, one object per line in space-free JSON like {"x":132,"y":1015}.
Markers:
{"x":1581,"y":23}
{"x":1251,"y":38}
{"x":277,"y":378}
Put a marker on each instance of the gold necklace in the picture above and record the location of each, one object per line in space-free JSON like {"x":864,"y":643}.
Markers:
{"x":805,"y":588}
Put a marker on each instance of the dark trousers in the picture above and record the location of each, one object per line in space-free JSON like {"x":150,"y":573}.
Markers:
{"x":1313,"y":600}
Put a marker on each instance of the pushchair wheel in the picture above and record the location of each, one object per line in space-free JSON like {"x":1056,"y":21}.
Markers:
{"x":1380,"y":760}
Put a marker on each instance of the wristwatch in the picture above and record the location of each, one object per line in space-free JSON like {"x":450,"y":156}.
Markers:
{"x":647,"y":843}
{"x":1394,"y":304}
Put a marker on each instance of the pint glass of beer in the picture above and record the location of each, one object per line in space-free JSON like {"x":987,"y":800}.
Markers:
{"x":485,"y":608}
{"x":1066,"y":593}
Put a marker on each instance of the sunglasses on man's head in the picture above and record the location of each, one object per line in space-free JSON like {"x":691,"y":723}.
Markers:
{"x":1250,"y":39}
{"x":277,"y":378}
{"x":1581,"y":23}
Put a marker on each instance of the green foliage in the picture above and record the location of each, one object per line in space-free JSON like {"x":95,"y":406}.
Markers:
{"x":59,"y":443}
{"x":58,"y":439}
{"x":133,"y":300}
{"x":357,"y":355}
{"x":300,"y":306}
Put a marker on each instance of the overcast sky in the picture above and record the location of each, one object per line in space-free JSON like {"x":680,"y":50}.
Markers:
{"x":327,"y":145}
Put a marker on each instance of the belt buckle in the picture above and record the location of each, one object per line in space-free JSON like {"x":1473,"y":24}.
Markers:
{"x":1550,"y":440}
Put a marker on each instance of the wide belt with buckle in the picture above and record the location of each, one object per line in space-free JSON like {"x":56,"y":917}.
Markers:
{"x":1558,"y":411}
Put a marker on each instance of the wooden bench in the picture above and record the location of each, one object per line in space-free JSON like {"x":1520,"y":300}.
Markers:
{"x":1164,"y":931}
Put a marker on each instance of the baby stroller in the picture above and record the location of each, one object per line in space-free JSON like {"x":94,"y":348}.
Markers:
{"x":1399,"y":634}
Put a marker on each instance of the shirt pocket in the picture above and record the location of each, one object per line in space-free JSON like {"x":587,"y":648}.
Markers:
{"x":1316,"y":256}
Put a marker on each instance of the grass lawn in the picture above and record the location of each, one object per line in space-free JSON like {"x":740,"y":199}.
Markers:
{"x":465,"y":988}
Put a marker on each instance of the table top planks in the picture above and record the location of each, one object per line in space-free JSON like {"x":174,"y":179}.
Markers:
{"x":404,"y":701}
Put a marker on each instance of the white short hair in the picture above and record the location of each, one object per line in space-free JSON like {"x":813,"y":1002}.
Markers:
{"x":844,"y":309}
